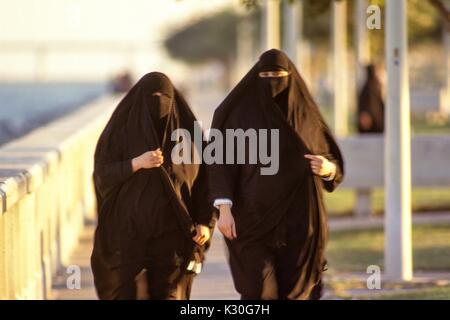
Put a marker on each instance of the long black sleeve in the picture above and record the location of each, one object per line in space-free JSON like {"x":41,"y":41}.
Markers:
{"x":202,"y":211}
{"x":112,"y":174}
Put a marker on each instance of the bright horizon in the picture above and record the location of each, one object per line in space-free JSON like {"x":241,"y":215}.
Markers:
{"x":90,"y":39}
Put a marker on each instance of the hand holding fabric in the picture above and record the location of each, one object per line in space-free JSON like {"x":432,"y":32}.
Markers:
{"x":148,"y":160}
{"x":321,"y":166}
{"x":202,"y":235}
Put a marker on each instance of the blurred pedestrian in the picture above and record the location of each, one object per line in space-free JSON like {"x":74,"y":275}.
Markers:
{"x":122,"y":83}
{"x":371,"y":104}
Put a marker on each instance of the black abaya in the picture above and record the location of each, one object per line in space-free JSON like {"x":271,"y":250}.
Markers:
{"x":146,"y":219}
{"x":280,"y":219}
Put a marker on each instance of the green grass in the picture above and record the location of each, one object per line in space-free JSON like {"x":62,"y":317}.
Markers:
{"x":342,"y":201}
{"x":355,"y":250}
{"x":421,"y":125}
{"x":432,"y":293}
{"x":426,"y":292}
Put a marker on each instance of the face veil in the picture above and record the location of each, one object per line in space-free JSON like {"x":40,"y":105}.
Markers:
{"x":161,"y":95}
{"x":160,"y":101}
{"x":272,"y":61}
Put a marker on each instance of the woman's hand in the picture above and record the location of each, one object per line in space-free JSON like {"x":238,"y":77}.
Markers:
{"x":226,"y":223}
{"x":320,"y":165}
{"x":148,"y":160}
{"x":203,"y":234}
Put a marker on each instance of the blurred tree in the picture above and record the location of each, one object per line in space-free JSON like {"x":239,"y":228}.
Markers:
{"x":211,"y":38}
{"x":214,"y":37}
{"x":424,"y":24}
{"x":443,"y":7}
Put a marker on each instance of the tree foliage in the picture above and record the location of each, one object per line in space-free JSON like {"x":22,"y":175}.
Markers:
{"x":214,"y":37}
{"x":211,"y":38}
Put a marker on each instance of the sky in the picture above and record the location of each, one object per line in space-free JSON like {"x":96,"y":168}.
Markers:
{"x":90,"y":39}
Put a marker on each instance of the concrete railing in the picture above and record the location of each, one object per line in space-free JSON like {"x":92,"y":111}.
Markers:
{"x":364,"y":161}
{"x":364,"y":164}
{"x":46,"y":194}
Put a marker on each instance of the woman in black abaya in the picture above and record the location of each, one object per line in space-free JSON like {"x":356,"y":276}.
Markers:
{"x":153,"y":221}
{"x":275,"y":225}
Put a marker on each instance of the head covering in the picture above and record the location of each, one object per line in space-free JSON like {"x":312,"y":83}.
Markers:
{"x":303,"y":114}
{"x":129,"y":204}
{"x":262,"y":203}
{"x":273,"y":60}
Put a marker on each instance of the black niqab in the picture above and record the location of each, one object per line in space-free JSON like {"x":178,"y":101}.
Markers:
{"x":271,"y":61}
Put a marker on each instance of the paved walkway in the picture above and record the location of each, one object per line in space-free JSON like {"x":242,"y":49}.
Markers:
{"x":80,"y":257}
{"x":213,"y":283}
{"x":215,"y":280}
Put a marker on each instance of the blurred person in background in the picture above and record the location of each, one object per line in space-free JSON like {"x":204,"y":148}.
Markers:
{"x":154,"y":221}
{"x":122,"y":82}
{"x":371,"y":104}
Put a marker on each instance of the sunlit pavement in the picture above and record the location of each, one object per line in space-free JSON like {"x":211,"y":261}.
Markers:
{"x":213,"y":283}
{"x":215,"y":280}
